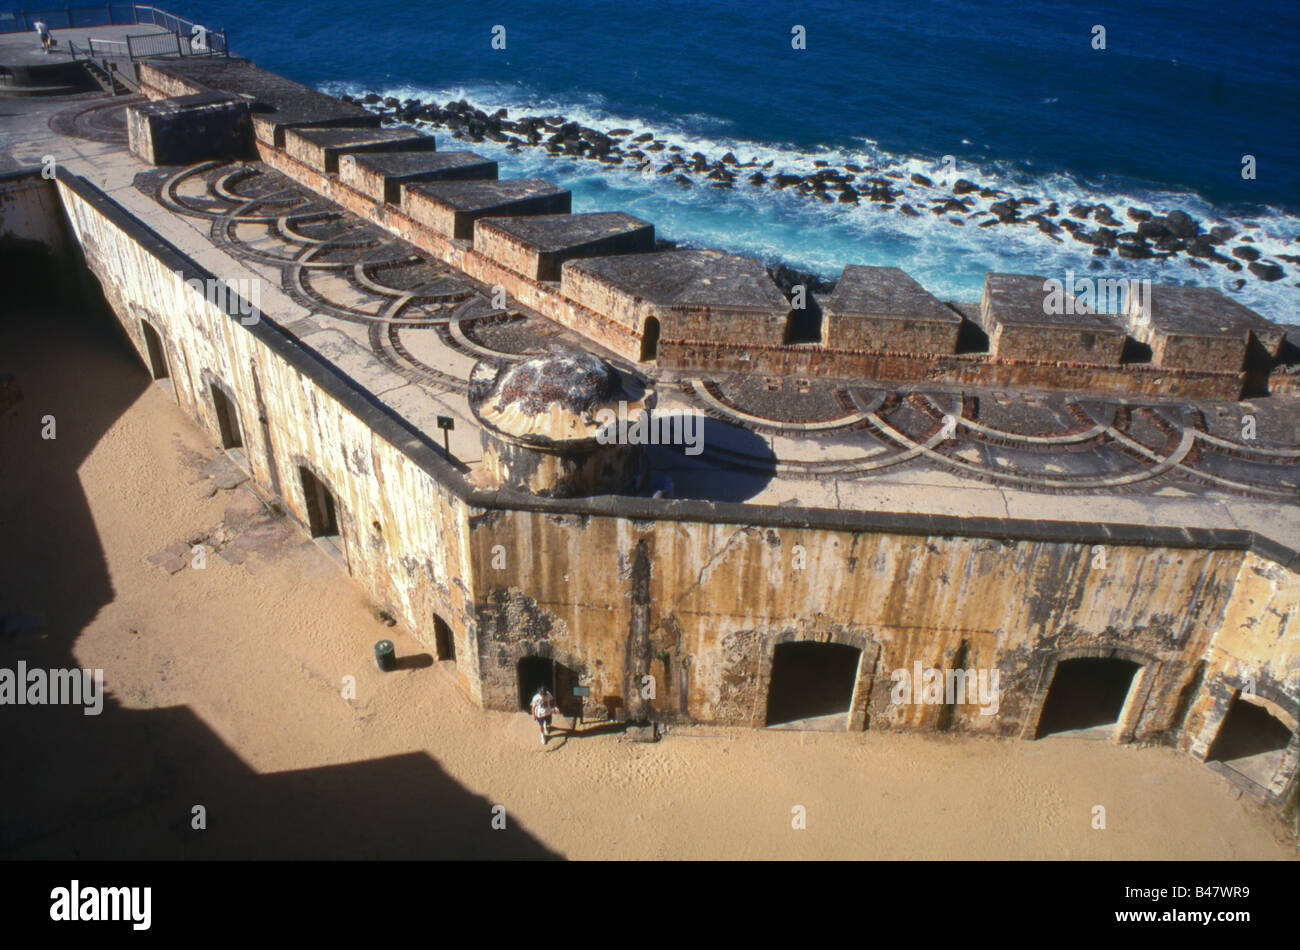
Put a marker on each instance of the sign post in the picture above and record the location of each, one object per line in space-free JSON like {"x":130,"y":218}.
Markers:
{"x":446,"y":424}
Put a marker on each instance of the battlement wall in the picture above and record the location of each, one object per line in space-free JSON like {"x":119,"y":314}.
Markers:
{"x":688,"y":310}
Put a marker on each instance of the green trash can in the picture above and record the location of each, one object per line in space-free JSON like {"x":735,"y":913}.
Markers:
{"x":386,"y":655}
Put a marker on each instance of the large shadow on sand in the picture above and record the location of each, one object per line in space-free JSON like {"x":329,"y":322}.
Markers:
{"x":123,"y":784}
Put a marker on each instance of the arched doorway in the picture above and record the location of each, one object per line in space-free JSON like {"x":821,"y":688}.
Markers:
{"x":154,"y":348}
{"x":1251,"y":741}
{"x":227,"y":419}
{"x":812,"y":680}
{"x":650,"y":340}
{"x":443,"y":641}
{"x":1087,"y":696}
{"x":322,"y":513}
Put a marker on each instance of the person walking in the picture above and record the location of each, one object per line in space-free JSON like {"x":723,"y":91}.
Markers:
{"x":543,"y":706}
{"x":43,"y":32}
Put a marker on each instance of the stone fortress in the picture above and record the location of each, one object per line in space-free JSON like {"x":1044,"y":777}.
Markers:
{"x":888,"y":482}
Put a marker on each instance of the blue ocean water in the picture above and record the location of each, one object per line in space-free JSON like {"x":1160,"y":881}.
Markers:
{"x":1015,"y":93}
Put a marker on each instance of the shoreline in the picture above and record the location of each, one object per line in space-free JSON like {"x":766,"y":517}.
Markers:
{"x":1128,"y":232}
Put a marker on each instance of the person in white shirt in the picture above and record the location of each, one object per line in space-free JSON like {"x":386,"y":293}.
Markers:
{"x":543,"y":706}
{"x":43,"y":32}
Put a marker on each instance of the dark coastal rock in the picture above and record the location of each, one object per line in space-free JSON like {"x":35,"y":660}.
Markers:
{"x":1153,"y":228}
{"x":683,"y":181}
{"x":1100,"y":252}
{"x":371,"y":98}
{"x":961,"y":186}
{"x":644,"y":137}
{"x":919,"y":179}
{"x":952,"y":204}
{"x":1080,"y":210}
{"x":1221,"y":233}
{"x":758,"y":178}
{"x":909,"y":211}
{"x":391,"y":102}
{"x":1266,"y":270}
{"x":1233,"y":266}
{"x":1289,"y":258}
{"x":618,"y":133}
{"x":1138,"y":215}
{"x":730,"y":159}
{"x":784,"y":180}
{"x":1103,"y":215}
{"x":1200,"y":247}
{"x":856,"y":169}
{"x":1005,"y":210}
{"x":1134,"y":251}
{"x":1182,"y":224}
{"x":1105,"y":238}
{"x":1246,"y":253}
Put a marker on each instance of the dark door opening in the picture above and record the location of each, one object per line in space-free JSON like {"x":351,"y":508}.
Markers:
{"x":153,"y":346}
{"x":650,"y":340}
{"x":227,"y":419}
{"x":443,"y":641}
{"x":535,"y":672}
{"x":538,"y":671}
{"x":1085,"y":693}
{"x":811,"y":679}
{"x":322,"y":515}
{"x":1251,"y":740}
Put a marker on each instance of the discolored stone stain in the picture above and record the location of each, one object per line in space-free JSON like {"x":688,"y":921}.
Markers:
{"x":359,"y":460}
{"x":739,"y":659}
{"x":510,"y":617}
{"x":491,"y":518}
{"x":639,"y":652}
{"x":772,"y":538}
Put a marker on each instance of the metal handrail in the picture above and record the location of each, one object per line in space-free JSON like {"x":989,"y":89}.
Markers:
{"x":192,"y":38}
{"x":115,"y":48}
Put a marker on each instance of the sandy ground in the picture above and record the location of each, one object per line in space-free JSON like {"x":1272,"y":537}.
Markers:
{"x":225,"y":691}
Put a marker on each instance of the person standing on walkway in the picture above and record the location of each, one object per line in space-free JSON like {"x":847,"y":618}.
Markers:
{"x":543,"y":706}
{"x":43,"y":32}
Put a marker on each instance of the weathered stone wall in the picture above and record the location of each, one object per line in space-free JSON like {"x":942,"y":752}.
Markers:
{"x":616,"y":321}
{"x":700,"y":603}
{"x":29,"y":211}
{"x":1256,"y":649}
{"x":721,"y":597}
{"x":403,"y":533}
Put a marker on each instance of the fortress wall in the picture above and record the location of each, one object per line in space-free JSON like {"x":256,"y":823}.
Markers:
{"x":415,"y":562}
{"x":615,"y":320}
{"x":159,"y":84}
{"x":701,"y":600}
{"x":1255,"y":650}
{"x":542,"y":297}
{"x":975,"y":370}
{"x":720,"y":597}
